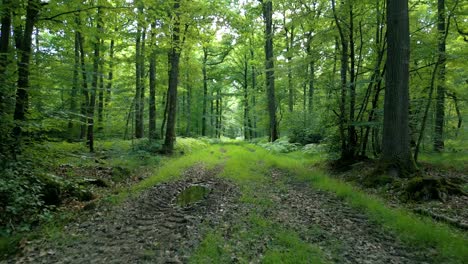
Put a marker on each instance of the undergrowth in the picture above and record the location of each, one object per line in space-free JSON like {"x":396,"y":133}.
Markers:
{"x":242,"y":162}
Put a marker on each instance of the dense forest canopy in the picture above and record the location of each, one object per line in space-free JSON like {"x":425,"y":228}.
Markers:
{"x":311,"y":70}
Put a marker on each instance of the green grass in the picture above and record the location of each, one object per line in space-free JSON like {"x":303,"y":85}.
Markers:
{"x":280,"y":245}
{"x":414,"y":230}
{"x":247,"y":165}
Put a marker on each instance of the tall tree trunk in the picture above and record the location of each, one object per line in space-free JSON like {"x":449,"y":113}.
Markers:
{"x":246,"y":100}
{"x":138,"y":80}
{"x":289,"y":34}
{"x":188,"y":105}
{"x":352,"y":140}
{"x":84,"y":88}
{"x":396,"y":151}
{"x":21,"y":106}
{"x":205,"y":91}
{"x":141,"y":110}
{"x":270,"y":68}
{"x":311,"y":75}
{"x":152,"y":134}
{"x":94,"y":81}
{"x":343,"y":73}
{"x":5,"y":32}
{"x":218,"y":115}
{"x":174,"y":58}
{"x":440,"y":99}
{"x":75,"y":87}
{"x":254,"y":100}
{"x":166,"y":105}
{"x":110,"y":76}
{"x":101,"y":92}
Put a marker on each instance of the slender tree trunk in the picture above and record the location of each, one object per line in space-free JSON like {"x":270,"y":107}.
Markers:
{"x":459,"y":116}
{"x":254,"y":100}
{"x":396,"y":152}
{"x":212,"y":115}
{"x":218,"y":115}
{"x":84,"y":88}
{"x":152,"y":87}
{"x":94,"y":82}
{"x":5,"y":32}
{"x":311,"y":75}
{"x":188,"y":130}
{"x":101,"y":92}
{"x":440,"y":99}
{"x":343,"y":74}
{"x":110,"y":76}
{"x":205,"y":91}
{"x":166,"y":105}
{"x":289,"y":33}
{"x":139,"y":91}
{"x":246,"y":100}
{"x":174,"y":57}
{"x":270,"y":68}
{"x":141,"y":110}
{"x":75,"y":87}
{"x":352,"y":140}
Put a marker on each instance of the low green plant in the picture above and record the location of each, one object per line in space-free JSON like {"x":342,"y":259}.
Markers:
{"x":420,"y":232}
{"x":281,"y":145}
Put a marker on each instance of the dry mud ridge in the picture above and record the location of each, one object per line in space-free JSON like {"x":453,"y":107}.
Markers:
{"x":154,"y":228}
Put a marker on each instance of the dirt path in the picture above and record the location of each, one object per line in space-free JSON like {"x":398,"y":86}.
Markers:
{"x":345,"y":235}
{"x":152,"y":228}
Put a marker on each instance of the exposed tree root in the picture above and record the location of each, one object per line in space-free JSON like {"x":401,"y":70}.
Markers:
{"x":442,"y":218}
{"x":432,"y":188}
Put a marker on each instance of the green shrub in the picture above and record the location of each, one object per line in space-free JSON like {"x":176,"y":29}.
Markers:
{"x":304,"y":136}
{"x":21,"y":198}
{"x":145,"y":145}
{"x":281,"y":145}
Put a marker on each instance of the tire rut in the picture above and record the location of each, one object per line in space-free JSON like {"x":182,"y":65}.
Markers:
{"x":151,"y":228}
{"x":345,"y":234}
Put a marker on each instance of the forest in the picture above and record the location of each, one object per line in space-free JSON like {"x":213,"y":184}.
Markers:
{"x":233,"y":131}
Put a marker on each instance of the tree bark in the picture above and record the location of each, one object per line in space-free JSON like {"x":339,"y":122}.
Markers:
{"x":440,"y":99}
{"x":4,"y":47}
{"x":270,"y":68}
{"x":352,"y":140}
{"x":101,"y":92}
{"x":289,"y":34}
{"x":343,"y":73}
{"x":110,"y":76}
{"x":205,"y":91}
{"x":152,"y":134}
{"x":94,"y":81}
{"x":254,"y":97}
{"x":75,"y":87}
{"x":22,"y":96}
{"x":247,"y":122}
{"x":84,"y":88}
{"x":396,"y":152}
{"x":138,"y":80}
{"x":174,"y":58}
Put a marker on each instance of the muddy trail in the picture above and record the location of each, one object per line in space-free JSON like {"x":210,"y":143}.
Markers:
{"x":159,"y":226}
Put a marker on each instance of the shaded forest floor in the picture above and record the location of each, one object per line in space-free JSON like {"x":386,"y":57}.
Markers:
{"x":259,"y":207}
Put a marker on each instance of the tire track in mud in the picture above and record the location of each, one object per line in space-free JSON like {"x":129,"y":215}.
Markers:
{"x":151,"y":228}
{"x":343,"y":233}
